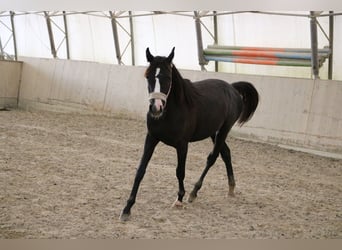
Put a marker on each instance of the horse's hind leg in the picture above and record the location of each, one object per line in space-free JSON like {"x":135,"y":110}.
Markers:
{"x":219,"y":141}
{"x":225,"y":154}
{"x":226,"y":157}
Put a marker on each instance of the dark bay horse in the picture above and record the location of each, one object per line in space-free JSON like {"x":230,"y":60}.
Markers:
{"x":182,"y":111}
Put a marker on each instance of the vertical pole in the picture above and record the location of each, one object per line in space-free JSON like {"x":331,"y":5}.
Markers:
{"x":215,"y":38}
{"x":14,"y":36}
{"x":201,"y":59}
{"x":52,"y":41}
{"x":116,"y":37}
{"x":314,"y":46}
{"x":331,"y":44}
{"x":2,"y":56}
{"x":132,"y":36}
{"x":66,"y":35}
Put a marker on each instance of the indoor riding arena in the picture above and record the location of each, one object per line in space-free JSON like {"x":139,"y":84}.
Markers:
{"x":73,"y":105}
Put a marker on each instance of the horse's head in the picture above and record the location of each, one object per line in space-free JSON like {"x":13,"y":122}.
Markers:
{"x":159,"y":78}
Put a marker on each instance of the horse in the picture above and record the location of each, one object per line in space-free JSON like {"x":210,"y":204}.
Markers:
{"x":181,"y":111}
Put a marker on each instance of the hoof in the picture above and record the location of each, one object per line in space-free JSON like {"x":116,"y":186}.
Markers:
{"x":231,"y":191}
{"x":124,"y":217}
{"x":231,"y":194}
{"x":192,"y":197}
{"x":178,"y":204}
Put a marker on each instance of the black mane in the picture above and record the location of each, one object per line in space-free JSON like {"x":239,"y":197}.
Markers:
{"x":184,"y":89}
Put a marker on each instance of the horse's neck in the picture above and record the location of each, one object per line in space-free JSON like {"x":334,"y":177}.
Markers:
{"x":178,"y":84}
{"x":183,"y":90}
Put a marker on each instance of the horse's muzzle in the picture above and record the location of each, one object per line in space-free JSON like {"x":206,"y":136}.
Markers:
{"x":157,"y":104}
{"x":156,"y":108}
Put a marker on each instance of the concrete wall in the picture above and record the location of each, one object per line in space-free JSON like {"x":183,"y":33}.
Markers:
{"x":292,"y":111}
{"x":64,"y":85}
{"x":10,"y":74}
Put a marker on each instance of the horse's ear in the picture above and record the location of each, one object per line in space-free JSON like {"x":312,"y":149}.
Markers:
{"x":172,"y":54}
{"x":149,"y":56}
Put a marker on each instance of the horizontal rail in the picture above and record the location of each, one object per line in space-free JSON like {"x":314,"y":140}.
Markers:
{"x":263,"y":61}
{"x":301,"y":50}
{"x":270,"y":54}
{"x":262,"y":55}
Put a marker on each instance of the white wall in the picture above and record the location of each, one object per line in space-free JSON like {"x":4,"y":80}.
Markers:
{"x":32,"y":36}
{"x":91,"y":39}
{"x":292,"y":111}
{"x":163,"y":32}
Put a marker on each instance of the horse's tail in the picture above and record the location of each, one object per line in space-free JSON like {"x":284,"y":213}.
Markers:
{"x":250,"y":99}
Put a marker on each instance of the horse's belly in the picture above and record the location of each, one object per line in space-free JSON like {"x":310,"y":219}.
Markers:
{"x":198,"y":138}
{"x":203,"y":132}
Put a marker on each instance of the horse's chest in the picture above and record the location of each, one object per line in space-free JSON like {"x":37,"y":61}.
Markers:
{"x":165,"y":132}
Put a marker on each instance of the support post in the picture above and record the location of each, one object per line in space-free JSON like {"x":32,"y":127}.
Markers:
{"x":2,"y":55}
{"x":52,"y":41}
{"x":14,"y":36}
{"x":66,"y":35}
{"x":132,"y":37}
{"x":215,"y":38}
{"x":314,"y":45}
{"x":116,"y":37}
{"x":201,"y":59}
{"x":331,"y":44}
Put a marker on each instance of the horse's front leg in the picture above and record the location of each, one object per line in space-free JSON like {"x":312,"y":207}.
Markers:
{"x":182,"y":151}
{"x":150,"y":144}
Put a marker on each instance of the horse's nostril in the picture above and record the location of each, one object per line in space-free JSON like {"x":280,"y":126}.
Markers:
{"x":154,"y":109}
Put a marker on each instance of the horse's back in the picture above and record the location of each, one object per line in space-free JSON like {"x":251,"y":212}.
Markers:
{"x":218,"y":92}
{"x":211,"y":84}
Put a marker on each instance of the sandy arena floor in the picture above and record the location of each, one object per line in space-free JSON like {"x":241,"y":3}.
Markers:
{"x":69,"y":175}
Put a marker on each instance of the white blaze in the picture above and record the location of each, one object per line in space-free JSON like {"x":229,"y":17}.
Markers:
{"x":157,"y":86}
{"x":157,"y":102}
